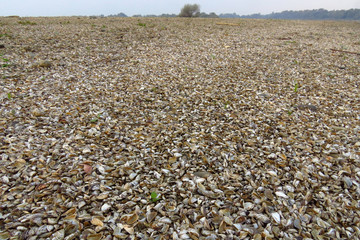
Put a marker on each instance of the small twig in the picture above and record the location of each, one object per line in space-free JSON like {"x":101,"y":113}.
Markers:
{"x":337,"y":50}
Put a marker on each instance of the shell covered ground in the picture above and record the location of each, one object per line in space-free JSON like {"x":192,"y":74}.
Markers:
{"x":156,"y":128}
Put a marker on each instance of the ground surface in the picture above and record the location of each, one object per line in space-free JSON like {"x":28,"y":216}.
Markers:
{"x":179,"y":129}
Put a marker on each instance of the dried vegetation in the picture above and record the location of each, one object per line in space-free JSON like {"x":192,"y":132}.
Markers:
{"x":179,"y":129}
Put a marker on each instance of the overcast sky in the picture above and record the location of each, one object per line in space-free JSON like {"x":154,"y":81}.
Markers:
{"x":145,"y":7}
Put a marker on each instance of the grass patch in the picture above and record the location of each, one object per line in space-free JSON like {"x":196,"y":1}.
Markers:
{"x":141,"y":24}
{"x":154,"y":197}
{"x":5,"y":61}
{"x":296,"y":87}
{"x":27,"y":22}
{"x":5,"y":35}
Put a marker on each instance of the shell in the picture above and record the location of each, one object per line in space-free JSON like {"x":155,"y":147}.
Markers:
{"x":276,"y":217}
{"x":97,"y":222}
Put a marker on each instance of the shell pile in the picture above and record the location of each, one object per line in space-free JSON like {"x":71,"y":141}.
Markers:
{"x":156,"y":128}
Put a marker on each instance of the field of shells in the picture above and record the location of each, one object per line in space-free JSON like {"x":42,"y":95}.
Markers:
{"x":155,"y":128}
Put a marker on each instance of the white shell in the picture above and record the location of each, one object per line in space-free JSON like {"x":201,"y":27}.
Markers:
{"x":276,"y":217}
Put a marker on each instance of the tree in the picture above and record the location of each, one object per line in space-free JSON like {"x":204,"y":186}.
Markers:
{"x":190,"y":10}
{"x":213,"y":15}
{"x":210,"y":15}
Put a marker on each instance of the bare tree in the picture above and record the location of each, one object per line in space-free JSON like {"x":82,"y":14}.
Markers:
{"x":190,"y":10}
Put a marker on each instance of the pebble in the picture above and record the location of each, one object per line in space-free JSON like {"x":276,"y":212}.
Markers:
{"x":297,"y":224}
{"x":44,"y":64}
{"x":202,"y":174}
{"x":307,"y":106}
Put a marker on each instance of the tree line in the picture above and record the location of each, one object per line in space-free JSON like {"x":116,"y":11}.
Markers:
{"x":316,"y":14}
{"x":193,"y":10}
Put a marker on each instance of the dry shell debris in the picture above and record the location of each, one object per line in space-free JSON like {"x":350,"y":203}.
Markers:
{"x":242,"y":129}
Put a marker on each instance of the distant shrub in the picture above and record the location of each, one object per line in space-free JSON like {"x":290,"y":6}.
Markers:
{"x":190,"y":10}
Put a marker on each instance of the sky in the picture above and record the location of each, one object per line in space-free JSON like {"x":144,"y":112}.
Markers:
{"x":157,"y":7}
